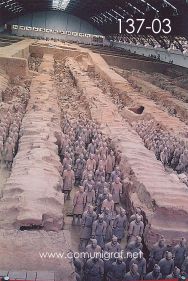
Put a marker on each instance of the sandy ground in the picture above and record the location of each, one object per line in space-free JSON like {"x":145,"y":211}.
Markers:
{"x":22,"y":250}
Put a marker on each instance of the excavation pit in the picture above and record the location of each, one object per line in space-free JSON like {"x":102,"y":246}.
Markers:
{"x":63,"y":86}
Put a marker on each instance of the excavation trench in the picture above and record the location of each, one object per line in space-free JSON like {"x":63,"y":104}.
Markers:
{"x":74,"y":105}
{"x":160,"y":80}
{"x":161,"y":97}
{"x":71,"y":104}
{"x":136,"y":117}
{"x":123,"y":91}
{"x":34,"y":61}
{"x":14,"y":98}
{"x":150,"y":186}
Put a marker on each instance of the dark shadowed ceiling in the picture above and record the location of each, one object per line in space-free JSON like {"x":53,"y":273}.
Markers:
{"x":104,"y":14}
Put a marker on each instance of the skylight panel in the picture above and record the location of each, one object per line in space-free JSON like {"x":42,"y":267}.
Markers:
{"x":60,"y":4}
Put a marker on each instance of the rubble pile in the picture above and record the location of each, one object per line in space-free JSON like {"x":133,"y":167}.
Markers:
{"x":109,"y":91}
{"x":70,"y":99}
{"x":34,"y":62}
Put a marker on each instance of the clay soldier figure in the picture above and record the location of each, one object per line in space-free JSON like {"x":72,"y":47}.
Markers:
{"x":91,"y":162}
{"x":79,"y":149}
{"x":133,"y":273}
{"x":79,"y":203}
{"x":68,"y":181}
{"x":15,"y":142}
{"x":116,"y":173}
{"x":109,"y":220}
{"x":116,"y":191}
{"x":171,"y":149}
{"x":98,"y":141}
{"x":108,"y":203}
{"x":155,"y":274}
{"x":117,"y":271}
{"x":2,"y":131}
{"x":138,"y":211}
{"x":83,"y":135}
{"x":99,"y":188}
{"x":100,"y":185}
{"x":101,"y":199}
{"x":129,"y":252}
{"x":66,"y":161}
{"x":88,"y":218}
{"x":88,"y":134}
{"x":164,"y":156}
{"x":91,"y":147}
{"x":170,"y":247}
{"x":156,"y":149}
{"x":92,"y":250}
{"x":110,"y":164}
{"x":175,"y":274}
{"x":90,"y":196}
{"x":77,"y":266}
{"x":1,"y":150}
{"x":14,"y":127}
{"x":66,"y":143}
{"x":94,"y":269}
{"x":161,"y":147}
{"x":8,"y":153}
{"x":166,"y":265}
{"x":176,"y":157}
{"x":184,"y":267}
{"x":99,"y":230}
{"x":89,"y":181}
{"x":137,"y":244}
{"x":120,"y":225}
{"x":113,"y":248}
{"x":180,"y":252}
{"x":78,"y":131}
{"x":183,"y":162}
{"x":102,"y":162}
{"x":104,"y":150}
{"x":100,"y":173}
{"x":157,"y":252}
{"x":147,"y":142}
{"x":97,"y":157}
{"x":88,"y":171}
{"x":133,"y":247}
{"x":136,"y":228}
{"x":7,"y":123}
{"x":105,"y":184}
{"x":118,"y":158}
{"x":141,"y":262}
{"x":79,"y":168}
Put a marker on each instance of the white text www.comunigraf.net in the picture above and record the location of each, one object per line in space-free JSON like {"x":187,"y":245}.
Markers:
{"x":85,"y":255}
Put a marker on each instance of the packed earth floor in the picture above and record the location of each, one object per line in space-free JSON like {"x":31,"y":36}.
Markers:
{"x":73,"y":149}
